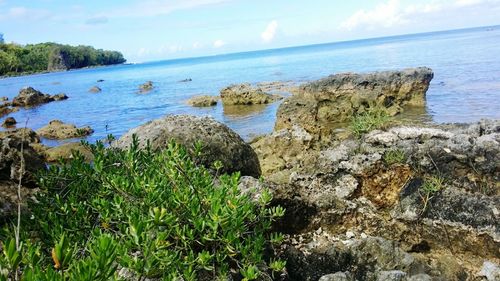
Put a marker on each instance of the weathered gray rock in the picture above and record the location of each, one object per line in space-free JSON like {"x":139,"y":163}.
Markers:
{"x":57,"y":129}
{"x":490,"y":270}
{"x":392,"y":275}
{"x":338,"y":276}
{"x":203,"y":101}
{"x":13,"y":163}
{"x":28,"y":97}
{"x":336,"y":99}
{"x":245,"y":94}
{"x":26,"y":134}
{"x":95,"y":89}
{"x":219,"y":142}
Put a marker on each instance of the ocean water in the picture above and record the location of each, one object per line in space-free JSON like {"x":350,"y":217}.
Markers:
{"x":465,"y":88}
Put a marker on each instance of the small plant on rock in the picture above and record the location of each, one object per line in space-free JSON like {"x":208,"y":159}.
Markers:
{"x":394,"y":156}
{"x":373,"y":118}
{"x":429,"y":188}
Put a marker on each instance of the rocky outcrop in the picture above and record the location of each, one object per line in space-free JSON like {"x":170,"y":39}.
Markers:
{"x":245,"y":94}
{"x":408,"y":203}
{"x":319,"y":105}
{"x":28,"y":97}
{"x":57,"y":129}
{"x":66,"y":152}
{"x":203,"y":101}
{"x":12,"y":150}
{"x":6,"y":108}
{"x":95,"y":89}
{"x":9,"y":122}
{"x":146,"y":87}
{"x":219,"y":142}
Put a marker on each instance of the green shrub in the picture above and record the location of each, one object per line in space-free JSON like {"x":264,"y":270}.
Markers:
{"x":429,"y":188}
{"x":151,"y":214}
{"x":395,"y":156}
{"x":373,"y":118}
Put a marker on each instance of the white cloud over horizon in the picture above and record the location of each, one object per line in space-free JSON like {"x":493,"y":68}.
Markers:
{"x":219,"y":43}
{"x":393,"y":13}
{"x":270,"y":32}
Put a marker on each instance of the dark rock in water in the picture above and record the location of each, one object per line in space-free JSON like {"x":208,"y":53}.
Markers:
{"x":219,"y":142}
{"x":9,"y":122}
{"x":60,"y":96}
{"x":5,"y":108}
{"x":245,"y":94}
{"x":186,"y":80}
{"x":57,"y":129}
{"x":100,"y":80}
{"x":146,"y":87}
{"x":203,"y":101}
{"x":337,"y":98}
{"x":28,"y":97}
{"x":95,"y":89}
{"x":10,"y":161}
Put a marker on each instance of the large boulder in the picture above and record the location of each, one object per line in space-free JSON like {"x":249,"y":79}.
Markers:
{"x":66,"y":152}
{"x":337,"y":98}
{"x":28,"y":97}
{"x":219,"y":142}
{"x":57,"y":129}
{"x":245,"y":94}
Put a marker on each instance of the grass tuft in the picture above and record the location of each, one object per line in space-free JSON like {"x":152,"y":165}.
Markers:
{"x":374,"y":118}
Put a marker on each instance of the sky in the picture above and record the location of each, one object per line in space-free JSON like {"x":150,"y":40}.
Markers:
{"x":149,"y":30}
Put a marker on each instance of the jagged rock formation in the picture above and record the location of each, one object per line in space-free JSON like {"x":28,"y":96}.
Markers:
{"x":57,"y":129}
{"x":245,"y":94}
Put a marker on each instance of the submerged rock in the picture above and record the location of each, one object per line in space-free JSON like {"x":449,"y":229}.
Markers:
{"x":203,"y":101}
{"x":95,"y":89}
{"x":146,"y":87}
{"x":28,"y":97}
{"x":337,"y":98}
{"x":219,"y":142}
{"x":57,"y":129}
{"x":245,"y":94}
{"x":186,"y":80}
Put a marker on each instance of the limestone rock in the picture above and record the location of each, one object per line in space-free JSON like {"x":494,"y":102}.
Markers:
{"x":337,"y":98}
{"x":146,"y":87}
{"x":10,"y":160}
{"x":65,"y":152}
{"x":95,"y":89}
{"x":219,"y":142}
{"x":56,"y":129}
{"x":245,"y":94}
{"x":203,"y":101}
{"x":28,"y":97}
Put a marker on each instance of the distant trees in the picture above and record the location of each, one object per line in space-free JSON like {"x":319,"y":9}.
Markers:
{"x":32,"y":58}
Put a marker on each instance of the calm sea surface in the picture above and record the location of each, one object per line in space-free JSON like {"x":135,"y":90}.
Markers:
{"x":466,"y":85}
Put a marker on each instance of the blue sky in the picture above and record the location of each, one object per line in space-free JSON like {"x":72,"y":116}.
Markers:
{"x":164,"y":29}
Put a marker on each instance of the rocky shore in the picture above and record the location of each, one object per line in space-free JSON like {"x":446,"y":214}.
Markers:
{"x":399,"y":201}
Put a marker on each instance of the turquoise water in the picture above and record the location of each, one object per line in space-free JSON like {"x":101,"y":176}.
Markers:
{"x":466,"y":86}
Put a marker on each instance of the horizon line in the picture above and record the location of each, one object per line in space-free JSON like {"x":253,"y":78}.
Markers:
{"x":311,"y":45}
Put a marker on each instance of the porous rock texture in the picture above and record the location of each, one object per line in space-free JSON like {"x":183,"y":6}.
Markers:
{"x":245,"y":94}
{"x":219,"y":142}
{"x":29,"y":97}
{"x":57,"y":129}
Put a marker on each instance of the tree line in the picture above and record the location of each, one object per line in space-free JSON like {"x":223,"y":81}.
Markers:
{"x":17,"y":59}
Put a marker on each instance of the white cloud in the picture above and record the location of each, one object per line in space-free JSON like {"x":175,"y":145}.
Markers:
{"x":219,"y":43}
{"x":23,"y":13}
{"x":270,"y":32}
{"x":196,"y":45}
{"x":97,"y":20}
{"x":392,"y":13}
{"x":385,"y":14}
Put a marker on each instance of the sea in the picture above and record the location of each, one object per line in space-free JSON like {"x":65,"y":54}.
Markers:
{"x":465,"y":88}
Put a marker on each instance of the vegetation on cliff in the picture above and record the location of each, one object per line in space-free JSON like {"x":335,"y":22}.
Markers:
{"x":137,"y":214}
{"x":17,"y":59}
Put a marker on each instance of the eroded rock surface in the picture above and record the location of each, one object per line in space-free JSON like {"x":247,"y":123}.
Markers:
{"x":57,"y":129}
{"x":219,"y":142}
{"x":407,"y":203}
{"x":337,"y":98}
{"x":245,"y":94}
{"x":66,"y":151}
{"x":28,"y":97}
{"x":203,"y":101}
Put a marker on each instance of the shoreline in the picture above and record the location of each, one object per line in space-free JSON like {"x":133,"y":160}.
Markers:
{"x":23,"y":74}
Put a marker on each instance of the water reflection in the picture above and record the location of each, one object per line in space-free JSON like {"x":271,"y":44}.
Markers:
{"x":239,"y":111}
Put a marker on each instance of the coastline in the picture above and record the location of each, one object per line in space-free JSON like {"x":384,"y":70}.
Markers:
{"x":57,"y":71}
